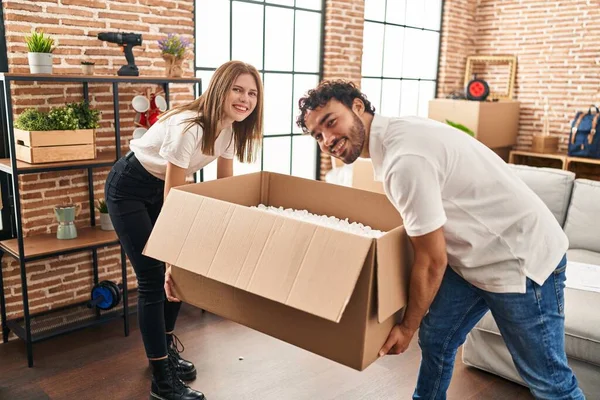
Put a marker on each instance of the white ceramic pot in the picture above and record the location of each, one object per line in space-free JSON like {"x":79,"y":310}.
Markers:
{"x":40,"y":63}
{"x":105,"y":222}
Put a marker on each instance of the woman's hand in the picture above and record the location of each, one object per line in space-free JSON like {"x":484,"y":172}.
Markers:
{"x":169,"y":284}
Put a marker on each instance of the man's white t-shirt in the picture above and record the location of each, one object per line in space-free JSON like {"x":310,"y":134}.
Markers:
{"x":165,"y":142}
{"x":498,"y":231}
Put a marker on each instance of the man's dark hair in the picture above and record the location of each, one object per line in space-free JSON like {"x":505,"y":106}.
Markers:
{"x":343,"y":91}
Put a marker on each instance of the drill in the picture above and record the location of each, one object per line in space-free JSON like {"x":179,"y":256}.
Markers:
{"x":127,"y":41}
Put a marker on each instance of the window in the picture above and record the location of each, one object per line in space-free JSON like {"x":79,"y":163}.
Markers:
{"x":282,"y":39}
{"x":400,"y":55}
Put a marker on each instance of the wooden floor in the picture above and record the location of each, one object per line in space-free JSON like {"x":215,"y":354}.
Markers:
{"x":100,"y":363}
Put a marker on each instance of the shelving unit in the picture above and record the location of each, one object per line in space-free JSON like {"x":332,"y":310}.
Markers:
{"x":32,"y":248}
{"x":588,"y":168}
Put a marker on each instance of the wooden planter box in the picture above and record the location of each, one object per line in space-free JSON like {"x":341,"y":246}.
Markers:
{"x":36,"y":147}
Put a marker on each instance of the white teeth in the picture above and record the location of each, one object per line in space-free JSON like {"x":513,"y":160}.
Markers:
{"x":242,"y":109}
{"x":338,"y":146}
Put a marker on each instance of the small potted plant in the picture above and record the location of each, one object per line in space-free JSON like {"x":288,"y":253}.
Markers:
{"x":40,"y":52}
{"x":173,"y":49}
{"x":87,"y":67}
{"x":105,"y":222}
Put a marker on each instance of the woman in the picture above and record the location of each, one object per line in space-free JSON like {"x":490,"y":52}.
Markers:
{"x":225,"y":121}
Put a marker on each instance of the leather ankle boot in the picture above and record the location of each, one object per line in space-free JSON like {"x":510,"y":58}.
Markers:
{"x":186,"y":371}
{"x":167,"y":386}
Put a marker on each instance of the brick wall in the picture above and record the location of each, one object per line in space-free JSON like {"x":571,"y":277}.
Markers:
{"x":74,"y":24}
{"x":556,"y":46}
{"x":344,"y":21}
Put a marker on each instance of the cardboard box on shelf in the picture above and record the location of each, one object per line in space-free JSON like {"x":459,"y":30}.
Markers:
{"x":330,"y":292}
{"x":495,"y":124}
{"x":363,"y":176}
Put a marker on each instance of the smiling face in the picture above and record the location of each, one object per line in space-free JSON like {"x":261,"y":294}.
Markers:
{"x":241,"y":99}
{"x":338,"y":130}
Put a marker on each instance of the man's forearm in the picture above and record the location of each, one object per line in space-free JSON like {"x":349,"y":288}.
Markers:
{"x":425,"y":280}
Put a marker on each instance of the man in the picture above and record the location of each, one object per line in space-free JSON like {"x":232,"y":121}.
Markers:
{"x":464,"y":208}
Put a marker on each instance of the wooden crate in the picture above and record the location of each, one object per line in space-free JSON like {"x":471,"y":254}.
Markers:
{"x":36,"y":147}
{"x":537,"y":159}
{"x":587,"y":168}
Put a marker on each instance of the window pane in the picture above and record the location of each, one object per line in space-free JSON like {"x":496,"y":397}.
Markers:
{"x":302,"y":84}
{"x":396,"y":12}
{"x":372,"y":57}
{"x":375,"y":10}
{"x":433,"y":14}
{"x":390,"y":97}
{"x":277,"y":154}
{"x":278,"y":36}
{"x":308,"y":41}
{"x":246,"y":168}
{"x":304,"y":157}
{"x":394,"y":46}
{"x":415,"y":13}
{"x":212,"y":32}
{"x":409,"y":101}
{"x":210,"y":172}
{"x":278,"y":103}
{"x":282,"y":2}
{"x":310,"y":4}
{"x":412,"y":62}
{"x":426,"y":93}
{"x":247,"y":44}
{"x":206,"y":77}
{"x":429,"y":44}
{"x":372,"y":89}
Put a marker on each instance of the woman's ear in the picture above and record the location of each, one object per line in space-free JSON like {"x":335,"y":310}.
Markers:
{"x":358,"y":106}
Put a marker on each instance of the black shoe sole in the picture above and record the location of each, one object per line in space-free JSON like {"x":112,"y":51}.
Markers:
{"x":154,"y":396}
{"x":188,"y":376}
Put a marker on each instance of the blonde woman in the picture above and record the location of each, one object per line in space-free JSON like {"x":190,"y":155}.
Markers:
{"x":225,"y":122}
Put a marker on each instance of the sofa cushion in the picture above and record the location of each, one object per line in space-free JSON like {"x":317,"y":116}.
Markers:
{"x":583,"y":256}
{"x":552,"y":185}
{"x":582,"y":336}
{"x":582,"y":225}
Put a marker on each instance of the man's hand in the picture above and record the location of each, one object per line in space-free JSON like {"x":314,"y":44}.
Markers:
{"x":169,"y":285}
{"x":398,"y":340}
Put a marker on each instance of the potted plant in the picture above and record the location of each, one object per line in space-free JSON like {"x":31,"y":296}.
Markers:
{"x":105,"y":222}
{"x":173,"y":52}
{"x":40,"y":52}
{"x":461,"y":127}
{"x":87,"y":67}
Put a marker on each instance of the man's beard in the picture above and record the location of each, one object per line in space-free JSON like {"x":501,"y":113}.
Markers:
{"x":356,"y":140}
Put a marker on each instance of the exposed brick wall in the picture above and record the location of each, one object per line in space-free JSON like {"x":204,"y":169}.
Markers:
{"x":75,"y":24}
{"x":344,"y":23}
{"x":556,"y":47}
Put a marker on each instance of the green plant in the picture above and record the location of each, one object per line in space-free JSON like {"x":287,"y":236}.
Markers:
{"x":88,"y":63}
{"x":87,"y":117}
{"x":102,"y":207}
{"x":38,"y":43}
{"x":461,"y":127}
{"x":174,"y":45}
{"x":63,"y":118}
{"x":33,"y":120}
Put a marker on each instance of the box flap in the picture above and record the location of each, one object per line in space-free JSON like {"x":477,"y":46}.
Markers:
{"x":394,"y":262}
{"x":302,"y":265}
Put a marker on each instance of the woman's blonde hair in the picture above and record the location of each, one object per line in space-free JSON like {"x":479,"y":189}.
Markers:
{"x":247,"y":134}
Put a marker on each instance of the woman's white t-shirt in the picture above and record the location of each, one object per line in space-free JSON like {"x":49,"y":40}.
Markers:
{"x":165,"y":142}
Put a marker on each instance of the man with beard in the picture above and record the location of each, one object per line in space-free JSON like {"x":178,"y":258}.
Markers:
{"x":482,"y":240}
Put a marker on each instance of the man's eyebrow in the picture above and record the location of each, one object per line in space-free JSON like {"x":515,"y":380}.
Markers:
{"x":321,"y":122}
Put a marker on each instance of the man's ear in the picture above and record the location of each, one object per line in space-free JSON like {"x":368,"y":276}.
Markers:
{"x":358,"y":106}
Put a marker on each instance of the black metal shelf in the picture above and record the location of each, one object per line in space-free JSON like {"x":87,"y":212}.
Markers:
{"x":26,"y":249}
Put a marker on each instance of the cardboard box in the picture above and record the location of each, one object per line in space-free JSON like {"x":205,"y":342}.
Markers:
{"x":363,"y":176}
{"x":544,"y":144}
{"x":330,"y":292}
{"x":496,"y":124}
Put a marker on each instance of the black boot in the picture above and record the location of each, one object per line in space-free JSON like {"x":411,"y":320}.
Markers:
{"x":167,"y":386}
{"x":185,"y":369}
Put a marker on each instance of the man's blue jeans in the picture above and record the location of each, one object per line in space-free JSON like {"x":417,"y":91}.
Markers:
{"x":531,"y":323}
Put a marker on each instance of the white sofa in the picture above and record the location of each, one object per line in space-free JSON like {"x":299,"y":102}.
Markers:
{"x":576,"y":205}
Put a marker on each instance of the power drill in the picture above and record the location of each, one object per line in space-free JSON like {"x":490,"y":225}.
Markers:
{"x":127,"y":41}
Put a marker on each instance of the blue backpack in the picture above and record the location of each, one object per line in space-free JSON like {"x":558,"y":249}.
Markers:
{"x":583,"y":140}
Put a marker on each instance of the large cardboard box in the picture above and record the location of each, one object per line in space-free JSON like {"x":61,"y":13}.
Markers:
{"x":330,"y":292}
{"x":496,"y":124}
